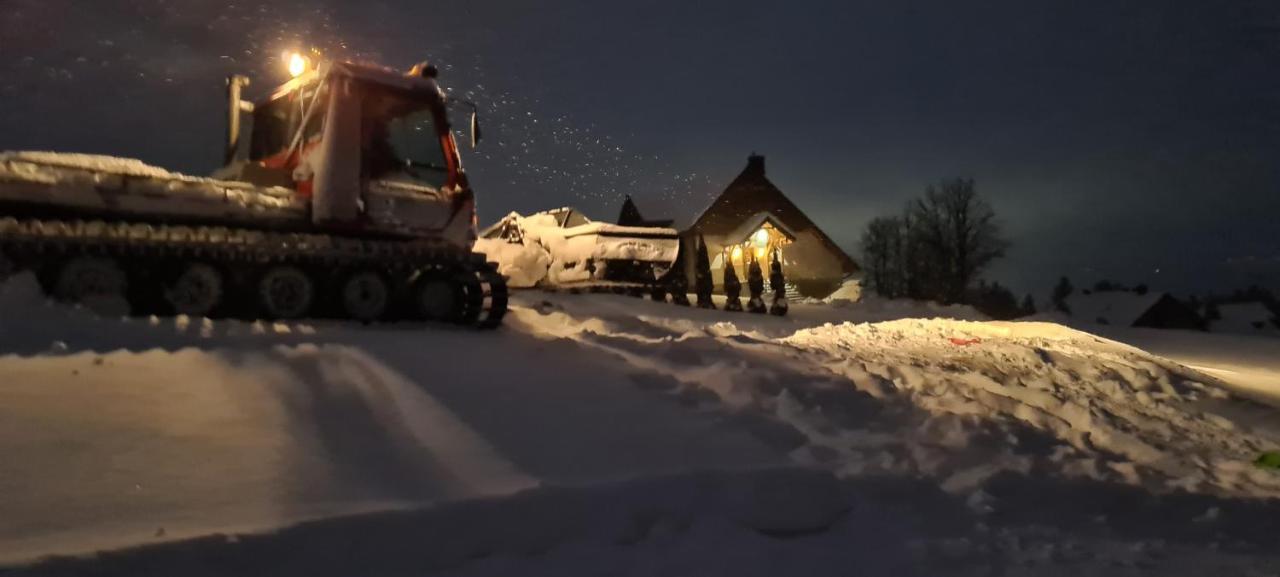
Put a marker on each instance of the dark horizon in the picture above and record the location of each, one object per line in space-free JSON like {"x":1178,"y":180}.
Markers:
{"x":1136,"y":143}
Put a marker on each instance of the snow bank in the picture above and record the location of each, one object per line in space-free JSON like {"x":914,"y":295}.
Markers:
{"x":955,"y":400}
{"x":1114,"y":412}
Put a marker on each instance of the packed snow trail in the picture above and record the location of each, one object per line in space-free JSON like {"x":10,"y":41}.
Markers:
{"x":125,"y":432}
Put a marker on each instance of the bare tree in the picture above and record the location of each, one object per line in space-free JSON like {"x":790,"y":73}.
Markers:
{"x":959,"y":233}
{"x":1061,"y":292}
{"x":881,"y":248}
{"x":937,"y":248}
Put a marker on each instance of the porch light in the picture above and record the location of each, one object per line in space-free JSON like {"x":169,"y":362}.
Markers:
{"x":761,"y":237}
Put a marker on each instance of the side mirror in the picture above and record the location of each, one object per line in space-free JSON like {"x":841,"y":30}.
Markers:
{"x":475,"y":128}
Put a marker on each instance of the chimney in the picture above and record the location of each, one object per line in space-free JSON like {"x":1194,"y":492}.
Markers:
{"x":755,"y":164}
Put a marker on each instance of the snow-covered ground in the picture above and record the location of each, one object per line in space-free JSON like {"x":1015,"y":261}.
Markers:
{"x":600,"y":434}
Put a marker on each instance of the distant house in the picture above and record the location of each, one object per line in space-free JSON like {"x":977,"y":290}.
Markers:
{"x":1244,"y":318}
{"x":1130,"y":309}
{"x":751,"y":219}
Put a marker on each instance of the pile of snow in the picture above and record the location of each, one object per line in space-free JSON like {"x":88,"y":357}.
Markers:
{"x":1099,"y":409}
{"x":955,"y":400}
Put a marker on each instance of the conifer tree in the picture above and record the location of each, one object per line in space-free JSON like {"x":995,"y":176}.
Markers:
{"x":703,"y":284}
{"x":779,"y":285}
{"x":678,"y":281}
{"x":755,"y":284}
{"x":732,"y":288}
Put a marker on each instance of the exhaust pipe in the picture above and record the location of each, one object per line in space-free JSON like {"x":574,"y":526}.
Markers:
{"x":235,"y":84}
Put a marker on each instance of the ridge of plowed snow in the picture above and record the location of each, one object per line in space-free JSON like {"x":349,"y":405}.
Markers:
{"x":958,"y":400}
{"x":1115,"y":411}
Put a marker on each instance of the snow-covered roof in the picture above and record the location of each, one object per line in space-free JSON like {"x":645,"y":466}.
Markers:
{"x":1246,"y":317}
{"x":1117,"y":308}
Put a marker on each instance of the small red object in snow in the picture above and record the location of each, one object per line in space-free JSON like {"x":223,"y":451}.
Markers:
{"x":964,"y":342}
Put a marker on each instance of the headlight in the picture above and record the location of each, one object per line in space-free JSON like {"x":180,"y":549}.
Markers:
{"x":297,"y":64}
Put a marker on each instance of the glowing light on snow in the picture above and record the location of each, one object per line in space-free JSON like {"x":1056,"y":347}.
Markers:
{"x":737,"y":253}
{"x":760,"y":253}
{"x":762,"y":237}
{"x":297,"y":64}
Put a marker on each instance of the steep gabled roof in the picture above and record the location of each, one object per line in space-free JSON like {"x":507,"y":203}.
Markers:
{"x":750,"y":194}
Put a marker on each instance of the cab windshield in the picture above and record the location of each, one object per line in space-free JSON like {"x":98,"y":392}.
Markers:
{"x":405,"y":147}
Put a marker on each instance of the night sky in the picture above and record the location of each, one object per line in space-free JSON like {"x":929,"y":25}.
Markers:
{"x":1138,"y":141}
